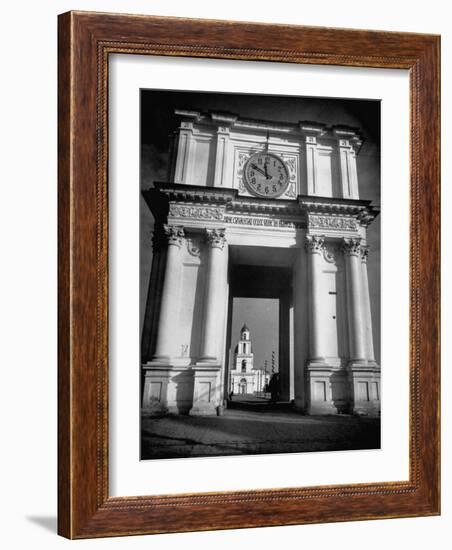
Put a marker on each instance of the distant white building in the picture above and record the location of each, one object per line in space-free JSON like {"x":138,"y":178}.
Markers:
{"x":245,"y":379}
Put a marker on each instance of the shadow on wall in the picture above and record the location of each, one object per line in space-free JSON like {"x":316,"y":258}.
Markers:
{"x":49,"y":523}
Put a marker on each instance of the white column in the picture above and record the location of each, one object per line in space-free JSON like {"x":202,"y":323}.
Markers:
{"x":170,"y":294}
{"x":357,"y":332}
{"x":213,"y":301}
{"x":366,"y":304}
{"x":314,"y":247}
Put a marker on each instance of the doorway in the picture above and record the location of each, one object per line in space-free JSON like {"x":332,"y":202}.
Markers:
{"x":261,"y":297}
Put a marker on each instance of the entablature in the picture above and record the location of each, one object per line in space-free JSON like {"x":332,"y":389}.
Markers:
{"x":200,"y":206}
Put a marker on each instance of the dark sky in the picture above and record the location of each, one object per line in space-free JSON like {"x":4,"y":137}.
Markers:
{"x":158,"y":121}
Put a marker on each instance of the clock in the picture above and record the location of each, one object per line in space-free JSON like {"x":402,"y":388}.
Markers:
{"x":266,"y":175}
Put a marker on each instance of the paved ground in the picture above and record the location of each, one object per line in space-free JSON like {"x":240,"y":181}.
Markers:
{"x":254,"y":426}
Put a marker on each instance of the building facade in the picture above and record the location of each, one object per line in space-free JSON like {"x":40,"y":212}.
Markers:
{"x":254,"y":208}
{"x":244,"y":378}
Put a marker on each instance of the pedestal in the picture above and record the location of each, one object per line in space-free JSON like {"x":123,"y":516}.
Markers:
{"x":206,"y":390}
{"x":364,"y":382}
{"x":167,"y":389}
{"x":327,"y":388}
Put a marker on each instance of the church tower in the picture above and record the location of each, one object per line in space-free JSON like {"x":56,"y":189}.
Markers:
{"x":245,"y":379}
{"x":244,"y":354}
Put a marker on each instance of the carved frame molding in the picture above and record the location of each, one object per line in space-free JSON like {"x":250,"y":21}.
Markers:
{"x":85,"y":508}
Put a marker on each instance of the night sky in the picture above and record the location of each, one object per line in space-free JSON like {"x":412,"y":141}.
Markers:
{"x":158,"y":121}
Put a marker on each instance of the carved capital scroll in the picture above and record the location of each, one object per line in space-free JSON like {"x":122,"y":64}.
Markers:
{"x":216,"y":238}
{"x":314,"y":244}
{"x":174,"y":234}
{"x":352,"y":247}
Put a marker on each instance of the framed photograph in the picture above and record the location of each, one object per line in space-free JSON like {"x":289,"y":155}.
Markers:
{"x":248,"y":275}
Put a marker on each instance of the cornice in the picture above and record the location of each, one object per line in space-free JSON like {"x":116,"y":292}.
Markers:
{"x":184,"y":192}
{"x":302,"y":127}
{"x":363,"y":210}
{"x":229,"y":201}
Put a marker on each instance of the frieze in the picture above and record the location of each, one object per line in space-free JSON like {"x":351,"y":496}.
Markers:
{"x":332,"y":222}
{"x":201,"y":212}
{"x":262,"y":222}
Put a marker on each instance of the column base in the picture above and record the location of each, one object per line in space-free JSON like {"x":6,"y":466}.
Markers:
{"x":206,"y":389}
{"x":168,"y":389}
{"x":327,"y":387}
{"x":364,"y":381}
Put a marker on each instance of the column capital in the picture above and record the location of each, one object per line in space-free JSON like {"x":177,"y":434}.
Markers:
{"x":314,"y":244}
{"x":216,"y":238}
{"x":174,"y":234}
{"x":223,"y":130}
{"x":352,"y":247}
{"x":364,"y":250}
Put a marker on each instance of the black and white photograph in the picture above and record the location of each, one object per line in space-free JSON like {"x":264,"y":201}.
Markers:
{"x":260,"y":274}
{"x":224,"y":235}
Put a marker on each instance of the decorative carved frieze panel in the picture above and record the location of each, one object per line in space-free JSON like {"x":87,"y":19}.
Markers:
{"x":332,"y":222}
{"x":199,"y":212}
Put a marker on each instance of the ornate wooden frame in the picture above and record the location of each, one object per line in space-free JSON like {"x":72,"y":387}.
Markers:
{"x":85,"y":42}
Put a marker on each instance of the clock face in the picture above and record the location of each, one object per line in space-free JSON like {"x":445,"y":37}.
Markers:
{"x":266,"y":175}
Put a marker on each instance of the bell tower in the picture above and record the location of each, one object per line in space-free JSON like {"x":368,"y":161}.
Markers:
{"x":244,"y":355}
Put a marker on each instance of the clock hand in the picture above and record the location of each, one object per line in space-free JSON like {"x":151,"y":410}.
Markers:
{"x":258,"y":169}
